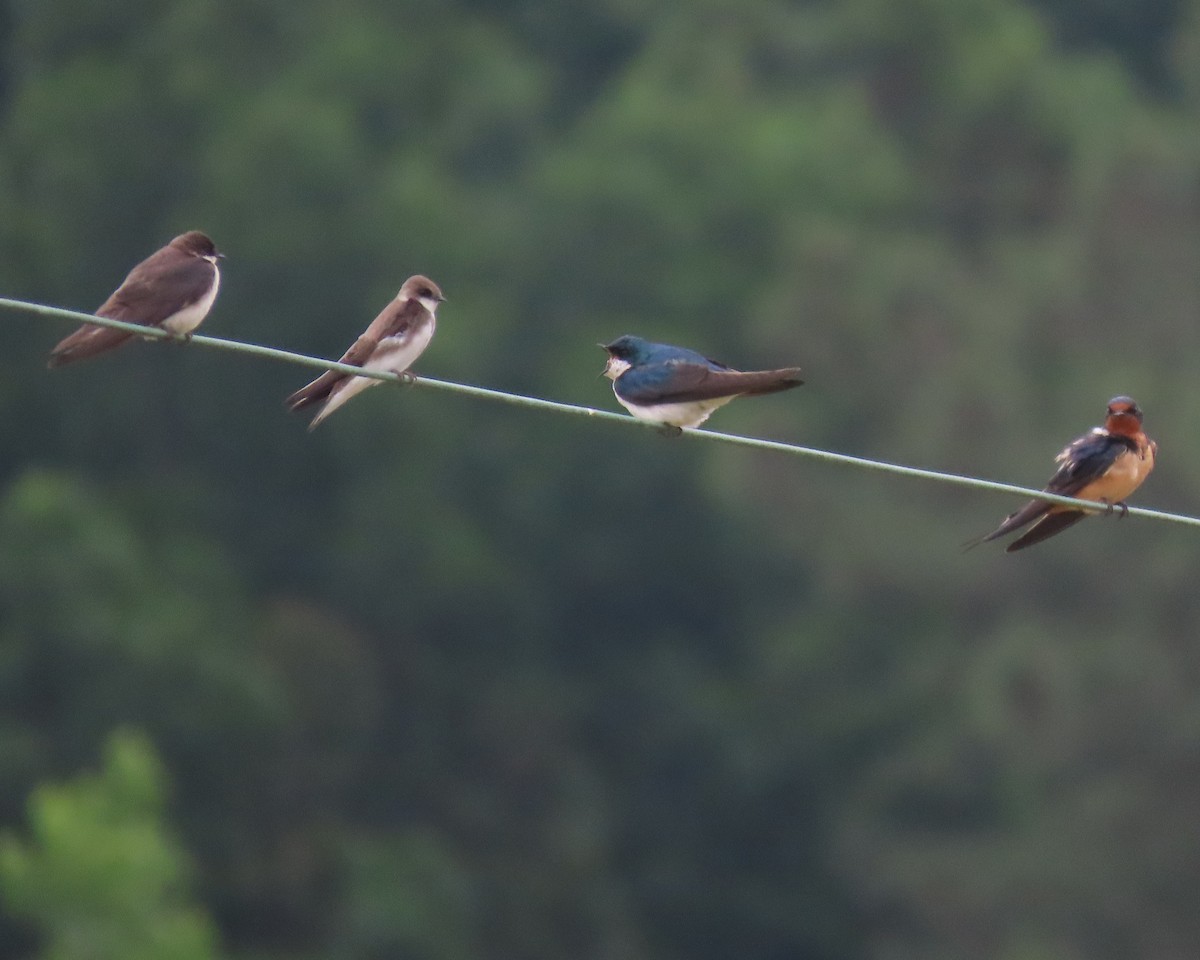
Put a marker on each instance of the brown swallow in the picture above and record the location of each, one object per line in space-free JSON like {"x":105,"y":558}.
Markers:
{"x":392,"y":342}
{"x":173,"y":288}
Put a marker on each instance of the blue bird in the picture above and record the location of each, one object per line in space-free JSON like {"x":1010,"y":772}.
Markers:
{"x":679,"y":387}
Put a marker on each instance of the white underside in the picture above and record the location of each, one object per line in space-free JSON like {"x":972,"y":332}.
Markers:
{"x":394,"y":354}
{"x":688,"y":414}
{"x":189,"y":318}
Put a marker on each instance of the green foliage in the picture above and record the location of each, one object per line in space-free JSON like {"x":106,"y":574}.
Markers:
{"x":101,"y":876}
{"x":406,"y":896}
{"x":446,"y":680}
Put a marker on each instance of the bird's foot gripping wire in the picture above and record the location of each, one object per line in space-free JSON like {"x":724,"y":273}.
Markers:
{"x":1120,"y":505}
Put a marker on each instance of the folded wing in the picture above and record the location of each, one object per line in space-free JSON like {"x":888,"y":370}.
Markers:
{"x":684,"y":382}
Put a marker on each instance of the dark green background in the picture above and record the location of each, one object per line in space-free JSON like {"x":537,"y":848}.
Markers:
{"x":450,"y":680}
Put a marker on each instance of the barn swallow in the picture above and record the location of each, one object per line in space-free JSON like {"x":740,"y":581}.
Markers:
{"x":173,"y":288}
{"x":392,"y":342}
{"x":679,"y":387}
{"x":1105,"y":465}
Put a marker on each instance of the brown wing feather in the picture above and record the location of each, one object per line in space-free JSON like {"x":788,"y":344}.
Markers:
{"x":1045,"y":528}
{"x":1027,"y":514}
{"x":320,"y":389}
{"x":85,"y":342}
{"x":157,"y":288}
{"x":783,"y":379}
{"x":699,"y":383}
{"x":393,"y":320}
{"x":396,"y":318}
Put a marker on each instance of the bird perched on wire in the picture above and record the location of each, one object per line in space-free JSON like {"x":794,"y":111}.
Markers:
{"x":173,"y":289}
{"x":392,"y":342}
{"x":1106,"y":465}
{"x":679,"y":387}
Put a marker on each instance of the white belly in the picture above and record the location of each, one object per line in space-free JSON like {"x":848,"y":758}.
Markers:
{"x":189,"y":318}
{"x":394,"y":354}
{"x":397,"y":354}
{"x":689,"y":414}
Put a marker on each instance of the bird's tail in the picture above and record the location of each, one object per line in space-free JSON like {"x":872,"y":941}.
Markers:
{"x":86,"y":342}
{"x":759,"y":382}
{"x":316,"y":392}
{"x":1047,"y":527}
{"x":1014,"y":521}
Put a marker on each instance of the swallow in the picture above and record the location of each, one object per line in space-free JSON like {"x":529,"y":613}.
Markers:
{"x":392,"y":342}
{"x":679,"y":387}
{"x":173,"y":289}
{"x":1106,"y":465}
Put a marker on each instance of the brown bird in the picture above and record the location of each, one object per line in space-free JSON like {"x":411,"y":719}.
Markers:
{"x":392,"y":342}
{"x":1106,"y":465}
{"x":173,"y":288}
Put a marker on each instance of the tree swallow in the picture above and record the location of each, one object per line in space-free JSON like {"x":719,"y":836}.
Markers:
{"x":173,"y":288}
{"x":392,"y":342}
{"x":679,"y":387}
{"x":1105,"y":465}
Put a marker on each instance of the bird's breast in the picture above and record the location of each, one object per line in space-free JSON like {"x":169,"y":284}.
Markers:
{"x":400,"y":352}
{"x":189,"y":318}
{"x":690,"y":413}
{"x":1126,"y":474}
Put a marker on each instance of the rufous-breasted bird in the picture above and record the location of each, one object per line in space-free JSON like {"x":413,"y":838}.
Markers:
{"x":1106,"y":465}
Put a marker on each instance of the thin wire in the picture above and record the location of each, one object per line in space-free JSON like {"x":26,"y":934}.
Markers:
{"x":514,"y":399}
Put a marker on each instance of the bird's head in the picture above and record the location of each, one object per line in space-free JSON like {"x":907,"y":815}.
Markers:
{"x":197,"y":244}
{"x":1124,"y":416}
{"x":423,"y":289}
{"x":623,"y":353}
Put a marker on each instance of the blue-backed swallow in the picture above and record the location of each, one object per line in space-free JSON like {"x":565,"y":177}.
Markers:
{"x":1105,"y":465}
{"x":679,"y":387}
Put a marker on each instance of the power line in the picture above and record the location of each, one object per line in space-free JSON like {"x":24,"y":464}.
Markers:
{"x":537,"y":403}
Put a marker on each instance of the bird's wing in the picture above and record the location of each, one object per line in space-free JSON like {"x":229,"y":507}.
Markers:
{"x":319,"y":389}
{"x":1048,"y":526}
{"x":1081,"y":462}
{"x":683,"y":382}
{"x":1087,"y":459}
{"x":158,"y":287}
{"x":85,"y":342}
{"x":398,"y":319}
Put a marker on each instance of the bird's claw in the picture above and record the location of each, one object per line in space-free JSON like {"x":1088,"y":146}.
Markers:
{"x":670,"y":430}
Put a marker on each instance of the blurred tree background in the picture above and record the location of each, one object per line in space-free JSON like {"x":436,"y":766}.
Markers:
{"x":446,"y":680}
